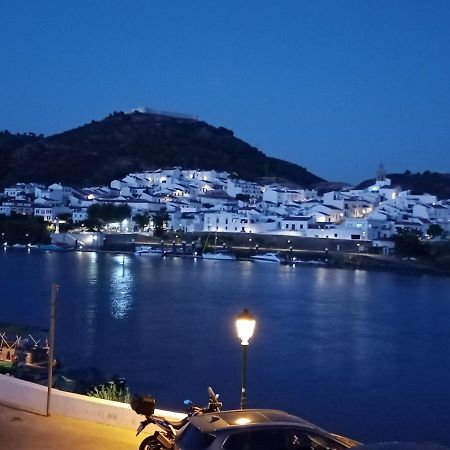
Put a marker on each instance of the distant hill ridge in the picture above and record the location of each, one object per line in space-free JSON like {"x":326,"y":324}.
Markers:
{"x":101,"y":151}
{"x":434,"y":183}
{"x":108,"y":149}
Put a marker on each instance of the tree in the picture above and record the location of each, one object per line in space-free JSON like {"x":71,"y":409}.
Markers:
{"x":67,"y":223}
{"x":435,"y":230}
{"x":20,"y":229}
{"x":107,"y":213}
{"x":141,"y":220}
{"x":160,"y":220}
{"x":408,"y":243}
{"x":243,"y":197}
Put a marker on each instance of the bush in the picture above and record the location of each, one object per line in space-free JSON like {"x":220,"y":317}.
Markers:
{"x":110,"y":391}
{"x":408,"y":243}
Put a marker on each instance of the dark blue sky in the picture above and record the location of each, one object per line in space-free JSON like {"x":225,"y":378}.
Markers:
{"x":336,"y":86}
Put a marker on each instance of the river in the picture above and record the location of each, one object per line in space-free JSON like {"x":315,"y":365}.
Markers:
{"x":364,"y":354}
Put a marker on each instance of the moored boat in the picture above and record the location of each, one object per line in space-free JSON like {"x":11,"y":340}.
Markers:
{"x":223,"y":256}
{"x":19,"y":246}
{"x":147,"y":250}
{"x":267,"y":257}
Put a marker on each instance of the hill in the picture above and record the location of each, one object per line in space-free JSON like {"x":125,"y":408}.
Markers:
{"x":101,"y":151}
{"x":433,"y":183}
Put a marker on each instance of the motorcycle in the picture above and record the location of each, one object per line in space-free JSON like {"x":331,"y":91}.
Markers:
{"x":164,"y":437}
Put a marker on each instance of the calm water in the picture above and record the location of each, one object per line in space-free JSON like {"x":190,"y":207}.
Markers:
{"x":366,"y":354}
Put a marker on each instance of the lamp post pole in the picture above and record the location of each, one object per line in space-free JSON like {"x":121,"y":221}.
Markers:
{"x":55,"y":289}
{"x":244,"y":377}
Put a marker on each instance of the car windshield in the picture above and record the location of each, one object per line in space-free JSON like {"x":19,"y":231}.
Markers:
{"x":193,"y":439}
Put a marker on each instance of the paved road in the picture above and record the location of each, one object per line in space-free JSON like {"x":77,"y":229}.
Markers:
{"x":25,"y":431}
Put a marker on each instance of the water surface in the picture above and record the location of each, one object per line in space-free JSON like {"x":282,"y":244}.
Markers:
{"x":366,"y":354}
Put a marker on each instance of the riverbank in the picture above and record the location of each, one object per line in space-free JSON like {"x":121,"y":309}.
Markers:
{"x":330,"y":253}
{"x":386,"y":263}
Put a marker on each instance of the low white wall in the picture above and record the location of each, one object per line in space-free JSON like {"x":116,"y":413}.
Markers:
{"x":32,"y":397}
{"x":22,"y":394}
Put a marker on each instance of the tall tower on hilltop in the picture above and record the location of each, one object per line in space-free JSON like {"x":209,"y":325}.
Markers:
{"x":381,"y":179}
{"x":381,"y":173}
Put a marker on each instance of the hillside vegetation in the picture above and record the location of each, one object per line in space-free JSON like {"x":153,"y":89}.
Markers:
{"x":104,"y":150}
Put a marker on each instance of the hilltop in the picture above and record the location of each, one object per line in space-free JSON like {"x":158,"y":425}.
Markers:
{"x":433,"y":183}
{"x":101,"y":151}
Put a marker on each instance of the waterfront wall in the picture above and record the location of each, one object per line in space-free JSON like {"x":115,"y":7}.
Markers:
{"x":32,"y":397}
{"x":86,"y":240}
{"x":240,"y":242}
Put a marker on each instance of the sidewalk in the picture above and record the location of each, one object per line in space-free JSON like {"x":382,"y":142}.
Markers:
{"x":26,"y":431}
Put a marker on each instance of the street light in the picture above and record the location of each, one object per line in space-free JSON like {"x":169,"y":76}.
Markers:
{"x":245,"y":325}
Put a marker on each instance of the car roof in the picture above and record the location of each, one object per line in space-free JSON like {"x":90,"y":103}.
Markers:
{"x":244,"y":418}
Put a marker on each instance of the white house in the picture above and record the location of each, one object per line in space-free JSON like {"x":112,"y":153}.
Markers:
{"x":296,"y":224}
{"x":79,"y":215}
{"x":250,"y":222}
{"x":279,"y":194}
{"x":48,"y":211}
{"x":326,"y":213}
{"x":16,"y":207}
{"x":235,"y":187}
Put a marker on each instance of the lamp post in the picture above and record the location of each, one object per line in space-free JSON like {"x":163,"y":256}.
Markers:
{"x":245,"y":325}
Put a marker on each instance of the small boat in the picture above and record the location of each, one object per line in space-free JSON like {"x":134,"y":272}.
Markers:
{"x":35,"y":357}
{"x":146,"y":250}
{"x":267,"y":257}
{"x":223,"y":256}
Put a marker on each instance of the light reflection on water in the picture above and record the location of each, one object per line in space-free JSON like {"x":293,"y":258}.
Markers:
{"x":122,"y":283}
{"x":330,"y":345}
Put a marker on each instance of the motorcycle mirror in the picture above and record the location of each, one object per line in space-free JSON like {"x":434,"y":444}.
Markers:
{"x":211,"y":393}
{"x":187,"y":402}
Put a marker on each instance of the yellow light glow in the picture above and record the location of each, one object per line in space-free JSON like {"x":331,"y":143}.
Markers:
{"x":245,"y":325}
{"x":243,"y":421}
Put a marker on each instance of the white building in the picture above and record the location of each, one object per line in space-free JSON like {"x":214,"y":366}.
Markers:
{"x":235,"y":187}
{"x":296,"y":224}
{"x":282,"y":195}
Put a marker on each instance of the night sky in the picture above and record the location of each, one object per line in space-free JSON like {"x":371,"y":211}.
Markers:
{"x":336,"y":86}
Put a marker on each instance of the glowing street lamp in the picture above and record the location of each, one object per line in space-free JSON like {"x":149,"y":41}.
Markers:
{"x":245,"y":325}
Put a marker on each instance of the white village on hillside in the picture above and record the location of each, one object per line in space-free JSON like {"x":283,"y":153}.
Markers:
{"x":212,"y":201}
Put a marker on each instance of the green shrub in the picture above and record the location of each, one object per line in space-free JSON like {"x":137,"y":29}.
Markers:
{"x":110,"y":392}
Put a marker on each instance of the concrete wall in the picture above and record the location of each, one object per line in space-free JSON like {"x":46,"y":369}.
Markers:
{"x":89,"y":241}
{"x":32,"y":397}
{"x":272,"y":242}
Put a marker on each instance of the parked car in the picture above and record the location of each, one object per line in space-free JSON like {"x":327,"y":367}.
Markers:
{"x":256,"y":429}
{"x":401,"y":446}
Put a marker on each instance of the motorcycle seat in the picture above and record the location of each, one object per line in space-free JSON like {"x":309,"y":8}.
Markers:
{"x":177,"y":424}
